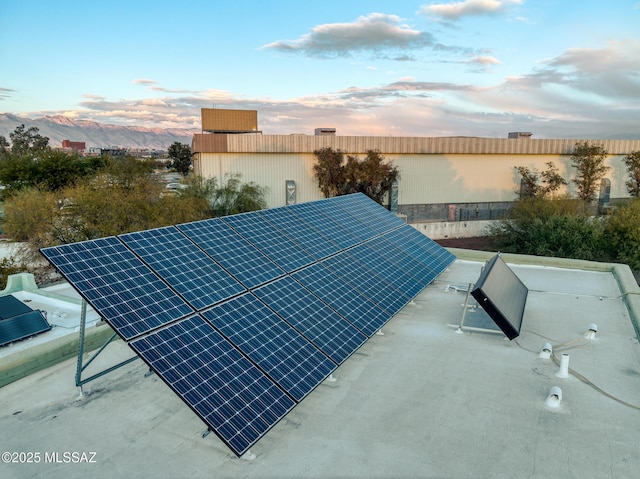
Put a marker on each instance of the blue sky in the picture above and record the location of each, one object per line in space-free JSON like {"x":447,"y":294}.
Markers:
{"x":557,"y":68}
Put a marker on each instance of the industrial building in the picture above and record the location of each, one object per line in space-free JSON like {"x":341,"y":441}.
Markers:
{"x":441,"y":178}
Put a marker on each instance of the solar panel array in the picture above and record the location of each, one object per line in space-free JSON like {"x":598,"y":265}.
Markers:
{"x":243,"y":316}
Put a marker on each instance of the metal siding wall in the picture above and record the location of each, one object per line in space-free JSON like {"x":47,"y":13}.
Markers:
{"x":425,"y":179}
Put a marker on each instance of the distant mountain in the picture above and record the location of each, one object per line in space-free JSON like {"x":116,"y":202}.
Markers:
{"x":58,"y":128}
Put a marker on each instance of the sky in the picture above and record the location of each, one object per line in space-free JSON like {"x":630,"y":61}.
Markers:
{"x":555,"y":68}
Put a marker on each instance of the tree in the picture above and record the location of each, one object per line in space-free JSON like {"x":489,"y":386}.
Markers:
{"x":590,"y":169}
{"x":372,"y":175}
{"x":530,"y":183}
{"x":27,"y":140}
{"x":180,"y":155}
{"x":329,"y":171}
{"x":623,"y":233}
{"x":632,"y":161}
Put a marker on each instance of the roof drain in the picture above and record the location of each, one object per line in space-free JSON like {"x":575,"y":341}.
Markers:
{"x":546,"y":351}
{"x":591,"y":332}
{"x":563,"y":372}
{"x":554,"y":398}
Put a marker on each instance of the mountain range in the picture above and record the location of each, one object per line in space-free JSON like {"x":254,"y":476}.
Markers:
{"x":94,"y":134}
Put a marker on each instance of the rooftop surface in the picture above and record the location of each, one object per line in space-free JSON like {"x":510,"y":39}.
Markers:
{"x":421,"y":400}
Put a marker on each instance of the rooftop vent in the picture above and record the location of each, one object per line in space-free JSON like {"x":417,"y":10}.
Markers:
{"x":325,"y":132}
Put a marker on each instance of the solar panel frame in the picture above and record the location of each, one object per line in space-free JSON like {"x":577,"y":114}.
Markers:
{"x":280,"y":351}
{"x":184,"y":266}
{"x":119,"y":286}
{"x":312,"y":318}
{"x":249,"y":266}
{"x":228,"y":392}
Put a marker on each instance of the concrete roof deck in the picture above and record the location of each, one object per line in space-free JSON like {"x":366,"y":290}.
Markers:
{"x":419,"y":401}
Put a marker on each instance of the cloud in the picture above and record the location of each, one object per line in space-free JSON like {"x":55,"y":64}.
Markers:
{"x":374,"y":33}
{"x":457,"y":10}
{"x":6,"y":93}
{"x":144,"y":81}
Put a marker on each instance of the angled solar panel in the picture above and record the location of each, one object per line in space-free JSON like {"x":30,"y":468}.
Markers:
{"x":379,"y":261}
{"x":367,"y":282}
{"x":337,"y":232}
{"x":278,"y":349}
{"x":271,"y":242}
{"x":309,"y":238}
{"x":12,"y":306}
{"x":352,"y":305}
{"x":321,"y":276}
{"x":374,"y":216}
{"x":229,"y":393}
{"x":119,"y":286}
{"x":22,"y":326}
{"x":316,"y":321}
{"x":250,"y":266}
{"x":184,"y":266}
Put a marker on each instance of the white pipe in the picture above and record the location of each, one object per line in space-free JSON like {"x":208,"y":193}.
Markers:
{"x":554,"y":398}
{"x":563,"y":372}
{"x":546,"y":351}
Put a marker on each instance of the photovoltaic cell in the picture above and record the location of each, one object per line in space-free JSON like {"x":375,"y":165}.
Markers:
{"x":187,"y":269}
{"x":316,"y":321}
{"x":234,"y":253}
{"x":367,"y":282}
{"x":22,"y":326}
{"x":342,"y":297}
{"x":310,"y":239}
{"x":315,"y":215}
{"x":374,"y":216}
{"x":279,"y":350}
{"x":425,"y":249}
{"x":399,"y":281}
{"x":230,"y":394}
{"x":355,"y":226}
{"x":12,"y":306}
{"x":259,"y":232}
{"x":122,"y":289}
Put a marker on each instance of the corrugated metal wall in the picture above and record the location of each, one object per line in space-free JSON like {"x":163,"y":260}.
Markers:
{"x":465,"y":176}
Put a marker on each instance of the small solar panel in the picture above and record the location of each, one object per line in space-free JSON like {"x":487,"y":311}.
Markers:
{"x":356,"y":308}
{"x":299,"y":231}
{"x":278,"y":349}
{"x":184,"y":266}
{"x":119,"y":286}
{"x":316,"y":321}
{"x":366,"y":281}
{"x":22,"y":326}
{"x":265,"y":237}
{"x":230,"y":394}
{"x":502,"y":295}
{"x":233,"y":252}
{"x":12,"y":306}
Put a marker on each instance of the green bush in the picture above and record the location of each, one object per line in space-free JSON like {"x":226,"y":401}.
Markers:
{"x":623,"y":234}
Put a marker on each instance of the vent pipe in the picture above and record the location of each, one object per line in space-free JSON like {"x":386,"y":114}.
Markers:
{"x":591,"y":331}
{"x":554,"y":398}
{"x":546,"y":351}
{"x":564,"y":366}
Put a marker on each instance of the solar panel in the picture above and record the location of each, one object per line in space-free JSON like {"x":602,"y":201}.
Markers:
{"x":259,"y":232}
{"x":229,"y":393}
{"x":279,"y":350}
{"x":374,"y":216}
{"x":316,"y":321}
{"x":366,"y":281}
{"x":342,"y":297}
{"x":119,"y":286}
{"x":22,"y":326}
{"x":184,"y":266}
{"x":315,"y":215}
{"x":232,"y":251}
{"x":302,"y":233}
{"x":12,"y":306}
{"x":379,"y":261}
{"x":321,"y":276}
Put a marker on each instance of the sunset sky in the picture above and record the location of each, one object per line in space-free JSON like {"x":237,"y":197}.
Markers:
{"x":556,"y":68}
